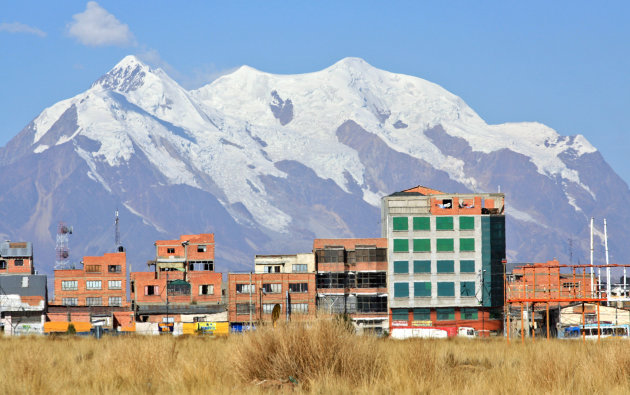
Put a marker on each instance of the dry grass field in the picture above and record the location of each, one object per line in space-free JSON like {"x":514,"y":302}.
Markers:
{"x":323,"y":358}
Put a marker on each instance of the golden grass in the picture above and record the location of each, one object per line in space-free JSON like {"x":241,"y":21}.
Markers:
{"x":322,"y":358}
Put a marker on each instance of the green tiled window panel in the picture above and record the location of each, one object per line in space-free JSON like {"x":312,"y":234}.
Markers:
{"x":444,"y":245}
{"x":467,"y":288}
{"x":422,"y":289}
{"x":421,"y":223}
{"x":444,"y":223}
{"x":467,"y":244}
{"x":467,"y":266}
{"x":466,"y":223}
{"x":400,"y":315}
{"x":468,"y":314}
{"x":445,"y":314}
{"x":401,"y":290}
{"x":401,"y":267}
{"x":421,"y":245}
{"x":422,"y":266}
{"x":446,"y":266}
{"x":401,"y":245}
{"x":446,"y":289}
{"x":401,"y":223}
{"x":421,"y":314}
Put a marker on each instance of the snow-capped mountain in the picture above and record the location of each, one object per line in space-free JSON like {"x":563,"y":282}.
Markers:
{"x":268,"y":162}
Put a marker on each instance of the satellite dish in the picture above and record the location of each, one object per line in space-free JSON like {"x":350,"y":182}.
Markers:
{"x":275,"y":314}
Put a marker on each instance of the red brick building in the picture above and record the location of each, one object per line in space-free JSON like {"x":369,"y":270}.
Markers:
{"x":101,"y":282}
{"x":352,"y":279}
{"x":16,"y":258}
{"x":183,"y":271}
{"x":259,"y":293}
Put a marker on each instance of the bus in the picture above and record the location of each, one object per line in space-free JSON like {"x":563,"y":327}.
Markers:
{"x":590,"y":331}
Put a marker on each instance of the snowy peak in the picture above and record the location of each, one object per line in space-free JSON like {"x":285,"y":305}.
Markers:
{"x":128,"y":75}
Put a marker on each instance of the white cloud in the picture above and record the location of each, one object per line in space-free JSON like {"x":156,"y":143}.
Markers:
{"x":96,"y":27}
{"x":17,"y":27}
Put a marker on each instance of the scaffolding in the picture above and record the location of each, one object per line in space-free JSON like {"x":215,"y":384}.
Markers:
{"x":556,"y":284}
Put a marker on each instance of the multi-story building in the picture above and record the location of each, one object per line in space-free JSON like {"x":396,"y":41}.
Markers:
{"x":101,"y":282}
{"x":16,"y":257}
{"x":445,"y":254}
{"x":183,"y":281}
{"x":253,"y":297}
{"x":352,"y":279}
{"x":295,"y":263}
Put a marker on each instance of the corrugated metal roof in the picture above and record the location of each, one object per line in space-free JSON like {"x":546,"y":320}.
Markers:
{"x":13,"y":249}
{"x":11,"y":284}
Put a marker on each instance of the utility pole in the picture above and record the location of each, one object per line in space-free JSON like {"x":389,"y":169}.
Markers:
{"x":607,"y":264}
{"x":250,"y":301}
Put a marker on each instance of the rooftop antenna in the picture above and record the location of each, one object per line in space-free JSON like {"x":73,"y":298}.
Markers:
{"x":118,"y":247}
{"x":62,"y":251}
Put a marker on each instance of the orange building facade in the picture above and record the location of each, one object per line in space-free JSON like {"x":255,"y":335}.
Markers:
{"x":16,"y":258}
{"x":352,"y":279}
{"x":183,"y":275}
{"x":259,"y":293}
{"x":101,"y":282}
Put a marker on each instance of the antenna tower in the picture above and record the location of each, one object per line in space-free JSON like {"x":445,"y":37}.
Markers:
{"x":116,"y":233}
{"x":62,"y":252}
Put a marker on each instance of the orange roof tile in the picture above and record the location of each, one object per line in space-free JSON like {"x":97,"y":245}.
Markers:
{"x":424,"y":190}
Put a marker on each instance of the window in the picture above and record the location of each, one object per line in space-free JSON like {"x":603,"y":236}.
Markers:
{"x":201,"y":266}
{"x":299,"y":308}
{"x":401,"y":223}
{"x":401,"y":290}
{"x":401,"y":245}
{"x":299,"y":268}
{"x":421,"y":245}
{"x":422,"y":289}
{"x":363,"y":254}
{"x":444,"y":245}
{"x":93,"y":269}
{"x":371,"y":279}
{"x":445,"y":314}
{"x":330,"y":255}
{"x":170,"y":250}
{"x":371,"y":304}
{"x":335,"y":280}
{"x":400,"y":315}
{"x":113,"y":268}
{"x":444,"y":223}
{"x":114,"y":284}
{"x":468,"y":314}
{"x":244,"y":288}
{"x":445,"y":266}
{"x":421,"y":223}
{"x":446,"y":288}
{"x":422,"y":266}
{"x":93,"y":301}
{"x":244,"y":308}
{"x":133,"y":286}
{"x":268,"y":307}
{"x":206,"y":289}
{"x":178,"y":288}
{"x":272,"y":288}
{"x":467,"y":244}
{"x":69,"y":285}
{"x":18,"y":262}
{"x":467,"y":288}
{"x":69,"y":301}
{"x":271,"y":269}
{"x":401,"y":267}
{"x":422,"y":314}
{"x":466,"y":223}
{"x":115,"y":301}
{"x":93,"y":284}
{"x":298,"y":287}
{"x":201,"y":248}
{"x":3,"y":265}
{"x":467,"y":266}
{"x":152,"y":290}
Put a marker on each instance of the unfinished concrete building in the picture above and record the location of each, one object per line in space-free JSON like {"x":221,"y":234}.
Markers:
{"x":445,"y":258}
{"x":352,"y":279}
{"x":292,"y":263}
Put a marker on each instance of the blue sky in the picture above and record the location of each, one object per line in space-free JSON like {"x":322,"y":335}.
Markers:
{"x":564,"y":64}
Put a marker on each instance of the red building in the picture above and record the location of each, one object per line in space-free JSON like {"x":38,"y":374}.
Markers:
{"x":101,"y":282}
{"x":182,"y":281}
{"x":16,"y":258}
{"x":352,"y":279}
{"x":254,"y":296}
